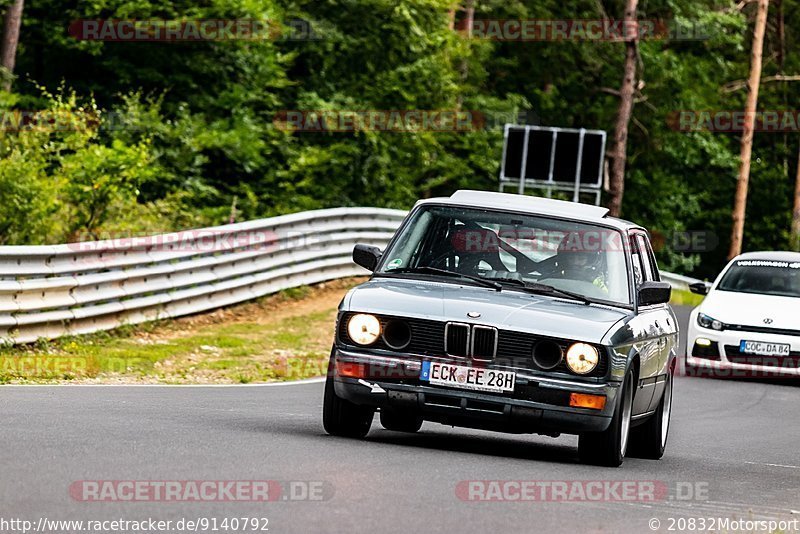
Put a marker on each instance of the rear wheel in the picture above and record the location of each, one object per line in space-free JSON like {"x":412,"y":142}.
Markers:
{"x":650,"y":439}
{"x":341,"y":417}
{"x":400,"y":422}
{"x":608,"y":448}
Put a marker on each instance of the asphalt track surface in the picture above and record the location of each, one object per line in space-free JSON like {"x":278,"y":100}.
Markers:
{"x":733,"y":453}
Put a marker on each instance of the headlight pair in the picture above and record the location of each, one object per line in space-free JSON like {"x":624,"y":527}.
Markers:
{"x":365,"y":329}
{"x":707,"y":321}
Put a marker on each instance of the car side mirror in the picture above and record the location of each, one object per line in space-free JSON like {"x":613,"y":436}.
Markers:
{"x":366,"y":256}
{"x":700,"y":288}
{"x":654,"y":293}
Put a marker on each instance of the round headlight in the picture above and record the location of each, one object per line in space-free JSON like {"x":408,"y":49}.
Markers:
{"x":582,"y":358}
{"x":364,"y":329}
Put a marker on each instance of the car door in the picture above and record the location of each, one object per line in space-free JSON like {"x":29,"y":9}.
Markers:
{"x":660,"y":322}
{"x":667,"y":326}
{"x":649,"y":347}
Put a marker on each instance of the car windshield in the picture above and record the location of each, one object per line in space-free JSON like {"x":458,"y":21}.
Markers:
{"x":765,"y":277}
{"x":514,"y":250}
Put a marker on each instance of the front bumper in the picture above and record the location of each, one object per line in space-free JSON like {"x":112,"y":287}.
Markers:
{"x":722,"y":359}
{"x":537,"y":405}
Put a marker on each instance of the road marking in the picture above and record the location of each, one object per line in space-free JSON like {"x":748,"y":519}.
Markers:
{"x":775,"y":465}
{"x":182,"y":386}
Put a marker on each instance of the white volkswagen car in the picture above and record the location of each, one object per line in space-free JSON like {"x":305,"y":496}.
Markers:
{"x":749,"y":323}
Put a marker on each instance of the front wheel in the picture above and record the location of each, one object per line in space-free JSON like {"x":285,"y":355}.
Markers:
{"x":650,"y":439}
{"x":341,"y":417}
{"x":608,"y":448}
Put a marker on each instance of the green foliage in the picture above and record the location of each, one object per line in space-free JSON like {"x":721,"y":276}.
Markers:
{"x":60,"y":181}
{"x":170,"y":135}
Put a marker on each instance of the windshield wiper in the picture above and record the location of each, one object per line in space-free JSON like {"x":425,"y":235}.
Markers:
{"x":536,"y":287}
{"x":444,"y":272}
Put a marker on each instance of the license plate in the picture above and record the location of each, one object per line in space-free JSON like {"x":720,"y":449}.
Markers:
{"x":762,"y":348}
{"x":459,"y":376}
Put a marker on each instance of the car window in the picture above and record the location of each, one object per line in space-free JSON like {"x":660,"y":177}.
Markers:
{"x":765,"y":277}
{"x":568,"y":255}
{"x":644,"y":256}
{"x":651,"y":258}
{"x":636,"y":260}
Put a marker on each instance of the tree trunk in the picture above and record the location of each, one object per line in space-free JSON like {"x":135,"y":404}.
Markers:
{"x":740,"y":202}
{"x":796,"y":210}
{"x":8,"y":50}
{"x":619,"y":154}
{"x":781,"y":31}
{"x":469,"y":17}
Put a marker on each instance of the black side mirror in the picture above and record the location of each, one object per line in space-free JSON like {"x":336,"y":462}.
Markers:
{"x":366,"y":256}
{"x":654,"y":293}
{"x":700,"y":288}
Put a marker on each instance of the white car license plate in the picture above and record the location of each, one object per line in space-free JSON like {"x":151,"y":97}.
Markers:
{"x":459,"y":376}
{"x":762,"y":348}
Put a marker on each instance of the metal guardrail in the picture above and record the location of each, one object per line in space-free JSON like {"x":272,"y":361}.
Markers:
{"x":678,"y":281}
{"x":52,"y":291}
{"x":79,"y":288}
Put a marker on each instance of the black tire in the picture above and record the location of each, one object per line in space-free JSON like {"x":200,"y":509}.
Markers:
{"x":341,"y":417}
{"x":608,"y":448}
{"x":400,"y":422}
{"x":649,"y":440}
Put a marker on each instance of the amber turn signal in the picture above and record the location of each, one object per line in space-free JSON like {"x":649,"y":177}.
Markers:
{"x":582,"y":400}
{"x":351,"y":370}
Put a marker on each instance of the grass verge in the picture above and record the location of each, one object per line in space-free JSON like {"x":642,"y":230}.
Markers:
{"x":685,"y":298}
{"x":286,"y":336}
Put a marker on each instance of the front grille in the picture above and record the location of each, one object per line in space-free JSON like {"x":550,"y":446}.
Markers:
{"x":457,"y":339}
{"x":505,"y":347}
{"x":762,"y":330}
{"x":484,"y":342}
{"x":734,"y":355}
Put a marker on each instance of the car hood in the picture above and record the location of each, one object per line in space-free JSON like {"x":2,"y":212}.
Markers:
{"x":508,"y":309}
{"x":752,"y":310}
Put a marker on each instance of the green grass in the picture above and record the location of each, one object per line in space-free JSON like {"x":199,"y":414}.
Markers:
{"x":685,"y":298}
{"x":257,"y":342}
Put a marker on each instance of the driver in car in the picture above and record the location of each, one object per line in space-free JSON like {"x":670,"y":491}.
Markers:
{"x":583,"y":266}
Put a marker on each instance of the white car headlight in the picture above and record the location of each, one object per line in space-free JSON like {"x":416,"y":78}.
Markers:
{"x":364,"y":329}
{"x":707,"y":321}
{"x":582,"y":358}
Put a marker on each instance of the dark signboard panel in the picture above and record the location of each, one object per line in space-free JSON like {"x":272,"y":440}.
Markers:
{"x":554,"y":155}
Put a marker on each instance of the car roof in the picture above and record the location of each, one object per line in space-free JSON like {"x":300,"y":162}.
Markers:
{"x":532,"y":205}
{"x":770,"y":255}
